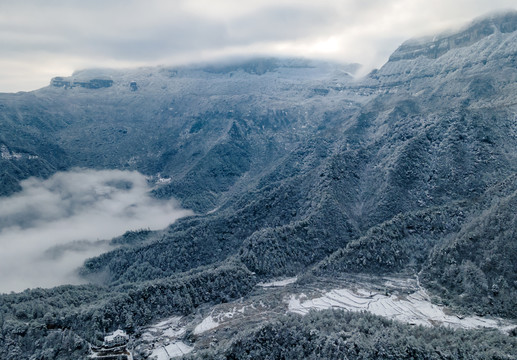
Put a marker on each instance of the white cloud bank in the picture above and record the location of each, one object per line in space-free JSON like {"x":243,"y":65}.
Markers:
{"x":41,"y":39}
{"x":49,"y":228}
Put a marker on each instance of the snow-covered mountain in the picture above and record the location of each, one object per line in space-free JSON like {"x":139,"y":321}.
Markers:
{"x":293,"y":168}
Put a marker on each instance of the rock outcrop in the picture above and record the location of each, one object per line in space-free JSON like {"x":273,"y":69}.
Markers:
{"x":68,"y":83}
{"x":441,"y":44}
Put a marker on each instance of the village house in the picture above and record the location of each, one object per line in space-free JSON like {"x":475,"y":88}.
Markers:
{"x":118,"y":338}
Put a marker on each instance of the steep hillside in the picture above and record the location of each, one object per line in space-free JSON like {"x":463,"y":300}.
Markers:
{"x":404,"y":153}
{"x":440,"y":150}
{"x":203,"y":128}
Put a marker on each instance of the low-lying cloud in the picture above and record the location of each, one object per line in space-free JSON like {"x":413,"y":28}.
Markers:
{"x":49,"y":228}
{"x":42,"y":39}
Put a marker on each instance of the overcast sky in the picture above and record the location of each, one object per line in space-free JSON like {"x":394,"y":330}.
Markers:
{"x":40,"y":39}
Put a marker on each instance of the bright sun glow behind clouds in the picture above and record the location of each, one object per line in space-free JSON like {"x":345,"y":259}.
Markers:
{"x":41,"y":39}
{"x":328,"y":46}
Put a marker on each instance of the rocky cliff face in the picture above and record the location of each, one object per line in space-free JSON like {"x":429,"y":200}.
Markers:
{"x":441,"y":44}
{"x":482,"y":56}
{"x":68,"y":83}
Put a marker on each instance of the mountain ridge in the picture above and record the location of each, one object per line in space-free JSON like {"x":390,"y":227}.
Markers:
{"x":436,"y":46}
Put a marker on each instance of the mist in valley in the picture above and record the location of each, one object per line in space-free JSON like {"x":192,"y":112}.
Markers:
{"x":49,"y":228}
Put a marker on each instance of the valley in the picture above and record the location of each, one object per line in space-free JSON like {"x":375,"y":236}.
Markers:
{"x":385,"y":203}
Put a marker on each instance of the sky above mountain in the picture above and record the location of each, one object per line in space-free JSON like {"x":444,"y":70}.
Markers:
{"x":42,"y":39}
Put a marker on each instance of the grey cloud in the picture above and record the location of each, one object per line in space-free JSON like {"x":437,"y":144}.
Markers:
{"x":50,"y":227}
{"x":283,"y":23}
{"x":42,"y":37}
{"x":161,"y":41}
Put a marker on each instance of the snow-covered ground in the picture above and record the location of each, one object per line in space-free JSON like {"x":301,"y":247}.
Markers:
{"x":399,"y":298}
{"x":170,"y":328}
{"x":279,"y":283}
{"x":7,"y":154}
{"x":413,"y":308}
{"x":208,"y":323}
{"x":172,"y":350}
{"x":164,"y":339}
{"x":224,"y":314}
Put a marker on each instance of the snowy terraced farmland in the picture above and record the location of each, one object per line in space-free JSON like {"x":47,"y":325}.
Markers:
{"x":397,"y":298}
{"x":414,"y":308}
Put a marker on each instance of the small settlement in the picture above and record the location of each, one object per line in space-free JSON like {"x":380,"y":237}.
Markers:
{"x":114,"y":347}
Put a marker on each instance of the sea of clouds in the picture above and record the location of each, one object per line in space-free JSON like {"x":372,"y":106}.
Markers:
{"x":49,"y":228}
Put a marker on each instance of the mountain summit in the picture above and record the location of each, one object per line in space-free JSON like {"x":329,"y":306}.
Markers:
{"x":436,"y":46}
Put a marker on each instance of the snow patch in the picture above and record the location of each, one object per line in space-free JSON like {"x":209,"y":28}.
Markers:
{"x":163,"y":339}
{"x":175,"y":349}
{"x":169,"y":328}
{"x":207,"y":324}
{"x":165,"y":324}
{"x":7,"y":154}
{"x":278,"y":283}
{"x":163,"y":181}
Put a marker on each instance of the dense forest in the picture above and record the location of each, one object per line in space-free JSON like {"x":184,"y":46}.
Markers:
{"x":335,"y":334}
{"x":69,"y":315}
